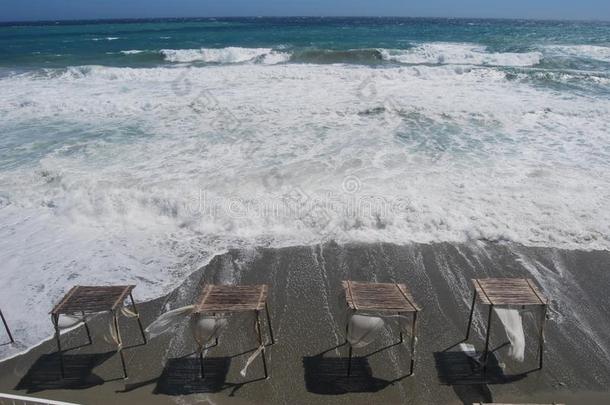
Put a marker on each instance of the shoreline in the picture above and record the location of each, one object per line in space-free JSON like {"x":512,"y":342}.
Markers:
{"x":307,"y":320}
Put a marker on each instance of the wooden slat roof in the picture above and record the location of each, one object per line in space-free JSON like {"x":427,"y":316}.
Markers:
{"x":508,"y":291}
{"x":92,"y":299}
{"x":383,"y":297}
{"x":232,"y":298}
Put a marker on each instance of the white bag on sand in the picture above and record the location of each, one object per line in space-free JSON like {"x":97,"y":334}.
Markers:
{"x":513,"y":325}
{"x":362,"y":330}
{"x":168,"y":321}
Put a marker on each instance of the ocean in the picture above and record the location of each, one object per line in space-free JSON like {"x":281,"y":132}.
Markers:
{"x":135,"y":151}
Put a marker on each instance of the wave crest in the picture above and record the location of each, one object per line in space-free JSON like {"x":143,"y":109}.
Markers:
{"x":595,"y":52}
{"x":460,"y":54}
{"x":430,"y":53}
{"x":225,"y":55}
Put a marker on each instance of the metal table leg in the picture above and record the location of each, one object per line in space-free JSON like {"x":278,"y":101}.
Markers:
{"x":486,"y":352}
{"x":541,"y":338}
{"x":260,"y":342}
{"x":87,"y":327}
{"x":8,"y":331}
{"x":413,"y":342}
{"x":55,"y":320}
{"x":119,"y":342}
{"x":201,"y":362}
{"x":474,"y":300}
{"x":349,"y":361}
{"x":269,"y":323}
{"x":135,"y":310}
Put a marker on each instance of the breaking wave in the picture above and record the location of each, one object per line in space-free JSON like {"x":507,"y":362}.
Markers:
{"x":460,"y":54}
{"x":225,"y":55}
{"x":431,"y":54}
{"x":593,"y":52}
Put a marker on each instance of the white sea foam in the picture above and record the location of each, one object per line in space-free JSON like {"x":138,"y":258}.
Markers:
{"x":105,"y":39}
{"x":225,"y":55}
{"x":132,"y":52}
{"x":139,"y":175}
{"x":601,"y":53}
{"x":458,"y":53}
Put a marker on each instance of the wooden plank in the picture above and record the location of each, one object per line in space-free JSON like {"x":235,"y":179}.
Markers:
{"x":66,"y":297}
{"x":93,"y":299}
{"x":542,"y":298}
{"x":123,"y":295}
{"x":508,"y":291}
{"x":232,"y":298}
{"x":351,"y":294}
{"x":403,"y":290}
{"x":383,"y":297}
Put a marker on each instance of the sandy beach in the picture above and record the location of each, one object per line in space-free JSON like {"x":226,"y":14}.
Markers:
{"x":308,"y":362}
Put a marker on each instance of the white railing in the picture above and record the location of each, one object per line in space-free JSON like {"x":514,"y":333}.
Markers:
{"x":8,"y":399}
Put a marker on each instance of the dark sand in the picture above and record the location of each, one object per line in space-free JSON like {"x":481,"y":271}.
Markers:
{"x":305,"y":364}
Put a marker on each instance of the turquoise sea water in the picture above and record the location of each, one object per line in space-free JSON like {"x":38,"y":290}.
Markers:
{"x":308,"y":39}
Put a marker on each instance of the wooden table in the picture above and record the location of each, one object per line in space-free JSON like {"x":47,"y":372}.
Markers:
{"x":382,"y":298}
{"x":507,"y":292}
{"x":90,"y":300}
{"x":217,"y":298}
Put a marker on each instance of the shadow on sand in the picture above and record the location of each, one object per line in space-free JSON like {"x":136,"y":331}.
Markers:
{"x":328,"y":375}
{"x":45,"y":373}
{"x":466,"y":376}
{"x":181,"y":376}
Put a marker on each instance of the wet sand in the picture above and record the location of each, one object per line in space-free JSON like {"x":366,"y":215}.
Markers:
{"x":308,"y":362}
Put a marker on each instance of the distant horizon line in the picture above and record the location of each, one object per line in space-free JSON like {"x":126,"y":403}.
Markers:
{"x":129,"y":19}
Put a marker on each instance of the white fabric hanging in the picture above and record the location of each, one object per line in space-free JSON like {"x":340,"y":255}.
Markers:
{"x":67,"y":321}
{"x":168,"y":321}
{"x":128,"y":313}
{"x":513,"y":325}
{"x":251,"y":359}
{"x":254,"y":355}
{"x":205,"y":328}
{"x":362,"y":330}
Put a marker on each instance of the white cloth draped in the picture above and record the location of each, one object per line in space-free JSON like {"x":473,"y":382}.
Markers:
{"x":513,"y":326}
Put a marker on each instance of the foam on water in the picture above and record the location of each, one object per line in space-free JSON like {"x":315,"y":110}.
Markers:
{"x":132,"y":52}
{"x":463,"y":54}
{"x":429,"y":53}
{"x":140,"y":175}
{"x":600,"y":53}
{"x":225,"y":55}
{"x":105,"y":39}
